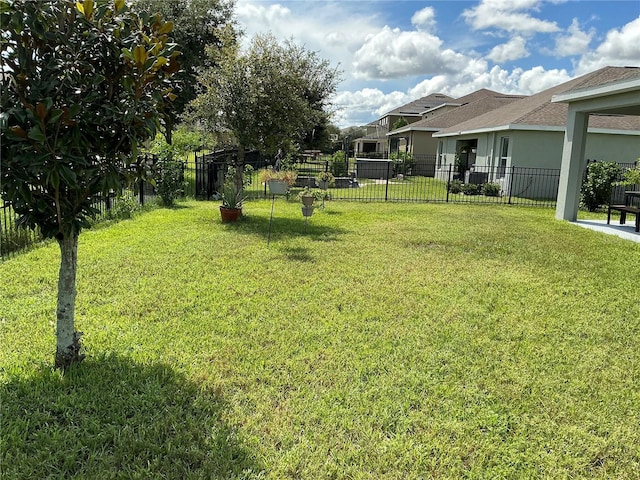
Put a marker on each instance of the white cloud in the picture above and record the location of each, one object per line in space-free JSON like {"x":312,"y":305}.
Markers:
{"x":509,"y":15}
{"x":392,"y":53}
{"x":537,"y":79}
{"x":424,"y":19}
{"x":514,"y":49}
{"x":363,"y":106}
{"x":575,"y":42}
{"x":620,"y":48}
{"x":331,"y":29}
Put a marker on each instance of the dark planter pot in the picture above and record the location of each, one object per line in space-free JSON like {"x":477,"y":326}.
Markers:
{"x":230,"y":214}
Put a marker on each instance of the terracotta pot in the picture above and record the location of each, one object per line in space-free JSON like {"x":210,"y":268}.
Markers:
{"x":229,"y":214}
{"x":308,"y":200}
{"x":278,"y":187}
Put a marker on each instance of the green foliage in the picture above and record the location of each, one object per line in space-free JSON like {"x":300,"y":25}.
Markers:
{"x":168,"y":175}
{"x":185,"y":141}
{"x":403,"y":162}
{"x":268,"y":174}
{"x":338,"y":165}
{"x":85,"y":84}
{"x":455,"y":186}
{"x":123,"y":206}
{"x":266,"y":96}
{"x":205,"y":30}
{"x":401,"y":122}
{"x":491,"y":189}
{"x":631,"y":176}
{"x":325,"y":177}
{"x":231,"y":195}
{"x":471,"y":189}
{"x":596,"y":188}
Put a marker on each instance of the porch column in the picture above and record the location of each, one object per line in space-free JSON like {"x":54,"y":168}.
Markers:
{"x":573,"y":164}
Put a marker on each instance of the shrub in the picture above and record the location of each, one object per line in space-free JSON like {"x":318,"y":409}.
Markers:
{"x":596,"y":189}
{"x":491,"y":189}
{"x":455,"y":186}
{"x":631,"y":176}
{"x":125,"y":204}
{"x":339,"y":166}
{"x":169,"y":178}
{"x":471,"y":189}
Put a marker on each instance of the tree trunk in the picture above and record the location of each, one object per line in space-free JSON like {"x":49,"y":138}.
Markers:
{"x":67,"y":339}
{"x":240,"y":169}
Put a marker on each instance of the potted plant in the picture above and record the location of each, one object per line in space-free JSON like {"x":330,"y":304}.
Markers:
{"x":232,"y":197}
{"x":278,"y":181}
{"x":307,"y":197}
{"x":325,"y":179}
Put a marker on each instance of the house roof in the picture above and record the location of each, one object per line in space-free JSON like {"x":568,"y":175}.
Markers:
{"x":418,"y":106}
{"x":471,"y":106}
{"x":537,"y":111}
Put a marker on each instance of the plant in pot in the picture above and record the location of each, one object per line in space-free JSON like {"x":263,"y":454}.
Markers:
{"x":279,"y":181}
{"x":325,"y":179}
{"x":232,"y":197}
{"x":308,"y":198}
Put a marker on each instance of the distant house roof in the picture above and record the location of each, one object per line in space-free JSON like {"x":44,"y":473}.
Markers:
{"x":416,"y":107}
{"x":537,"y":111}
{"x":471,"y":106}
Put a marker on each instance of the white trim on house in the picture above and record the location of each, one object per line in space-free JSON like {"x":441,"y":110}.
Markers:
{"x":537,"y":128}
{"x":597,"y":92}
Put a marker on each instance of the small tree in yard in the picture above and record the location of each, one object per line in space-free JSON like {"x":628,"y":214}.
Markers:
{"x":266,"y":97}
{"x":85,"y":83}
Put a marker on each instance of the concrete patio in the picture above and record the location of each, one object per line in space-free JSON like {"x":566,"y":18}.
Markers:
{"x":626,"y":231}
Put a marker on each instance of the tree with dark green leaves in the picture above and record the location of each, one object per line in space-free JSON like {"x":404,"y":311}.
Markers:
{"x":266,"y":97}
{"x":204,"y":30}
{"x":84,"y":84}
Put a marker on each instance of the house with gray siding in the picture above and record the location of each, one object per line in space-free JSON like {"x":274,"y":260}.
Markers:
{"x":529,"y":133}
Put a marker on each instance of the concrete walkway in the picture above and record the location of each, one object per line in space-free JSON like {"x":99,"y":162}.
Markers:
{"x":626,"y":231}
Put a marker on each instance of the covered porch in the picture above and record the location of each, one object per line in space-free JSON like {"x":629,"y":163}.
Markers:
{"x":619,"y":98}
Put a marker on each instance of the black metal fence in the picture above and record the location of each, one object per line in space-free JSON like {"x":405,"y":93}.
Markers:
{"x":361,"y":179}
{"x":373,"y":180}
{"x":15,"y":238}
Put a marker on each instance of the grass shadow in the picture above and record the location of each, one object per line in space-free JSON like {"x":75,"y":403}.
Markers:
{"x":114,"y":418}
{"x":284,"y":227}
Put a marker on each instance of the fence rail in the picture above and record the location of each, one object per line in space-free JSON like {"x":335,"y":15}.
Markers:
{"x":15,"y":238}
{"x":360,"y":179}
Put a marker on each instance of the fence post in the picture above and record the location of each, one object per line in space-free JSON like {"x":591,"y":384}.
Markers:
{"x":449,"y":181}
{"x":511,"y":183}
{"x":386,"y":189}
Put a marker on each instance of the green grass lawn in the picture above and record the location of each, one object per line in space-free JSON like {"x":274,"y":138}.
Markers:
{"x":378,"y":341}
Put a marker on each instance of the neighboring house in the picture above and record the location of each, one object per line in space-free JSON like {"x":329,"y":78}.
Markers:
{"x":374,"y":143}
{"x":417,"y":138}
{"x":530,"y":133}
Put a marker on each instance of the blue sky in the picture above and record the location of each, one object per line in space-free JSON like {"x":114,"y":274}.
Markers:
{"x":394,"y":52}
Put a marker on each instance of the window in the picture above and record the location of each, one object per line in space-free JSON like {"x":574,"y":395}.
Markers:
{"x":440,"y":154}
{"x":502,"y":162}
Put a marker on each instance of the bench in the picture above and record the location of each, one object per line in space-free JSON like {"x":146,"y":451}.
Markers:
{"x":624,"y":209}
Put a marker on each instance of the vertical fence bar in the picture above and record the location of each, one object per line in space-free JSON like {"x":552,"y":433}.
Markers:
{"x":511,"y":184}
{"x":449,"y":181}
{"x":386,"y":190}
